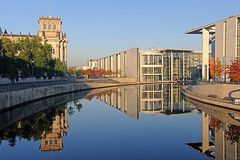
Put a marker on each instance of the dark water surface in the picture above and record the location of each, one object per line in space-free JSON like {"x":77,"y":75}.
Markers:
{"x":134,"y":122}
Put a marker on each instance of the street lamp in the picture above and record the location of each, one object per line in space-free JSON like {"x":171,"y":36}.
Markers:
{"x":32,"y":68}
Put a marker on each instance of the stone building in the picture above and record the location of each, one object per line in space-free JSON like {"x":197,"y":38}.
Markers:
{"x":50,"y":31}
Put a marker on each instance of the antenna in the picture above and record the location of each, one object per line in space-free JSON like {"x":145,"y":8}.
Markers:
{"x":49,"y":8}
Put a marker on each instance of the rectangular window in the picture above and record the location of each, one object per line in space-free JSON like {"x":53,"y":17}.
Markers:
{"x":157,"y":95}
{"x":54,"y":27}
{"x":44,"y":26}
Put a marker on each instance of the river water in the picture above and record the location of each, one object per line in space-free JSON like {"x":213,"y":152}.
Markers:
{"x":144,"y":122}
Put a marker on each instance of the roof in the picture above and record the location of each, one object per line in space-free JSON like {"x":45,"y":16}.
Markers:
{"x":18,"y":35}
{"x":208,"y":26}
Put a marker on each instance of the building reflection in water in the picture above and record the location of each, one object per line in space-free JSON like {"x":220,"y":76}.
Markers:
{"x":145,"y":99}
{"x":53,"y":140}
{"x":220,"y":133}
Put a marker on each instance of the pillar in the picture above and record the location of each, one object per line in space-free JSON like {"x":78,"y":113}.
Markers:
{"x":65,"y":53}
{"x":205,"y":54}
{"x":171,"y":66}
{"x":205,"y":132}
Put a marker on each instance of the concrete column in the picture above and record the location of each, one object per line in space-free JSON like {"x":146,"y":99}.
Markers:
{"x":205,"y":54}
{"x":183,"y":74}
{"x":205,"y":132}
{"x":171,"y":66}
{"x":171,"y":98}
{"x":61,"y":52}
{"x":65,"y":53}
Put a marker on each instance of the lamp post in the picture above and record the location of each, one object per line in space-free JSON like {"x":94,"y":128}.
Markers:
{"x":32,"y":69}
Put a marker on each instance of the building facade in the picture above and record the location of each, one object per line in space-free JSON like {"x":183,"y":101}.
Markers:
{"x":150,"y":65}
{"x":50,"y":32}
{"x":151,"y":99}
{"x":220,"y":40}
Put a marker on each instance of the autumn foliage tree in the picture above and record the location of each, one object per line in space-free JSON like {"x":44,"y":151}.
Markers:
{"x":233,"y":70}
{"x":96,"y":72}
{"x":217,"y":69}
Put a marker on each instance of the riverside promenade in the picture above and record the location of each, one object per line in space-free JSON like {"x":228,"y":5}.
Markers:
{"x":18,"y":94}
{"x":223,"y":95}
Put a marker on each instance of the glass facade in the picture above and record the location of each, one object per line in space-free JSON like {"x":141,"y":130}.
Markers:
{"x":152,"y":66}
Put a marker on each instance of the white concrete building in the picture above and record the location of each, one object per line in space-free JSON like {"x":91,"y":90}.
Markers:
{"x":221,"y":39}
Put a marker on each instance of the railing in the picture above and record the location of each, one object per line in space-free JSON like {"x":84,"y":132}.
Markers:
{"x":21,"y":86}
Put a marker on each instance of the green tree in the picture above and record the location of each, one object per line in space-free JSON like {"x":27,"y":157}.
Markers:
{"x":60,"y":68}
{"x":9,"y":52}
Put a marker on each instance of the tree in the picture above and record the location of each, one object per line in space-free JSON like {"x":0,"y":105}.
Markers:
{"x":233,"y":70}
{"x":60,"y":68}
{"x":218,"y":69}
{"x":5,"y":31}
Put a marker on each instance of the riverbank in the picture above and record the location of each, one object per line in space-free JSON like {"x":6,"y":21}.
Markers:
{"x":19,"y":97}
{"x":223,"y":95}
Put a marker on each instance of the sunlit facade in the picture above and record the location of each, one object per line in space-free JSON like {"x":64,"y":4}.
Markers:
{"x":221,"y":40}
{"x":50,"y":32}
{"x":154,"y":65}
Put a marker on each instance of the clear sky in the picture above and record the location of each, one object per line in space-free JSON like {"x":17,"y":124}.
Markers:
{"x":97,"y":28}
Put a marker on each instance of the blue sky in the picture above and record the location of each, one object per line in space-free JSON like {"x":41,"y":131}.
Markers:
{"x":97,"y":28}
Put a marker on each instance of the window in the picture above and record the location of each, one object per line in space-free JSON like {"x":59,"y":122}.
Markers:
{"x":54,"y":27}
{"x":49,"y":26}
{"x":157,"y":70}
{"x":157,"y":95}
{"x":144,"y":95}
{"x":44,"y":26}
{"x":53,"y":51}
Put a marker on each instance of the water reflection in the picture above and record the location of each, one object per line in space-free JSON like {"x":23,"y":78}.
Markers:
{"x":53,"y":140}
{"x":146,"y":99}
{"x":47,"y":123}
{"x":220,"y":133}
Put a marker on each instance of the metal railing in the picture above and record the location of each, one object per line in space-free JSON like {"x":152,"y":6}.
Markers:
{"x":27,"y":85}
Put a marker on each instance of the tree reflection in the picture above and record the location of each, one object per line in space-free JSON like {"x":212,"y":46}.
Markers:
{"x":232,"y":133}
{"x":32,"y":127}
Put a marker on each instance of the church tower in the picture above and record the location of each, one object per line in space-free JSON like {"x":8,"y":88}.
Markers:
{"x":50,"y":31}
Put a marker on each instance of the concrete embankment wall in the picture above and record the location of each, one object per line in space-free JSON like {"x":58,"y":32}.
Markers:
{"x":8,"y":99}
{"x":18,"y":97}
{"x":221,"y":90}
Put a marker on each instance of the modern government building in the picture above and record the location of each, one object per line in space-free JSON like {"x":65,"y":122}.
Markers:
{"x":151,"y":65}
{"x":221,"y":40}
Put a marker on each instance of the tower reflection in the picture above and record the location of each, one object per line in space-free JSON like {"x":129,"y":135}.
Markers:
{"x":53,"y":140}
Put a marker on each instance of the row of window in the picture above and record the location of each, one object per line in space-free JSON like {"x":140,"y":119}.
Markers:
{"x":152,"y":105}
{"x":152,"y":70}
{"x":51,"y":142}
{"x":151,"y":78}
{"x":151,"y":95}
{"x":50,"y":26}
{"x":152,"y":60}
{"x":150,"y":87}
